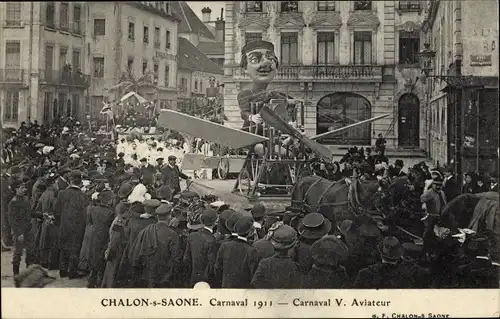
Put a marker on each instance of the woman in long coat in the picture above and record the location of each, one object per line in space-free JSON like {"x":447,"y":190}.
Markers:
{"x":101,"y":216}
{"x":117,"y":240}
{"x":48,"y":252}
{"x":84,"y":264}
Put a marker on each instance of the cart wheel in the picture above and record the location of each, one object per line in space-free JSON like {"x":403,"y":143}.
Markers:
{"x":244,"y":183}
{"x":223,"y":168}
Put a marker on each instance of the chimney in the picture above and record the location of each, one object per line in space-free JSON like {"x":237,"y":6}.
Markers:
{"x":206,"y":14}
{"x":220,"y":29}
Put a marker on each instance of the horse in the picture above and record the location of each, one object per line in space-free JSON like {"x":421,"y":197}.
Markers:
{"x":336,"y":200}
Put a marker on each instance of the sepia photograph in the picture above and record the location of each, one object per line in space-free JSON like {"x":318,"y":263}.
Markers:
{"x":250,"y":158}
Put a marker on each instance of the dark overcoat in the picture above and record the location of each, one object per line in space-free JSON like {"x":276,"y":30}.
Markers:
{"x":233,"y":264}
{"x":101,"y":218}
{"x":200,"y":255}
{"x":170,"y":177}
{"x":116,"y":246}
{"x":70,"y":210}
{"x":277,"y":272}
{"x":326,"y":277}
{"x":383,"y":276}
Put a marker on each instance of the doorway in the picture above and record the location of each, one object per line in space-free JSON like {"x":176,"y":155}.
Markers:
{"x":408,"y":121}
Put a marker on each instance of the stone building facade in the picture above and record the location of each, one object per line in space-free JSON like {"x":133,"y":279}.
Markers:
{"x":464,"y":36}
{"x":43,"y":70}
{"x":137,"y":35}
{"x":342,"y":58}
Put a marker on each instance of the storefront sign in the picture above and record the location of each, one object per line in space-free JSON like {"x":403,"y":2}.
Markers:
{"x":480,"y":60}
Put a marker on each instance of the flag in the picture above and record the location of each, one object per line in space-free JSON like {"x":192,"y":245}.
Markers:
{"x":106,"y":109}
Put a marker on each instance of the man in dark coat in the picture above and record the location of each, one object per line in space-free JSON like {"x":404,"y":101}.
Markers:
{"x":156,"y":252}
{"x":171,"y":174}
{"x":450,"y":186}
{"x":201,"y":249}
{"x":101,"y":217}
{"x":279,"y":271}
{"x":7,"y":195}
{"x":327,"y":272}
{"x":20,"y":222}
{"x":388,"y":273}
{"x":62,"y":180}
{"x":70,"y":210}
{"x":48,"y":251}
{"x":235,"y":257}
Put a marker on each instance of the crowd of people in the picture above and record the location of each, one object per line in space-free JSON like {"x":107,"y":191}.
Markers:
{"x":71,"y":203}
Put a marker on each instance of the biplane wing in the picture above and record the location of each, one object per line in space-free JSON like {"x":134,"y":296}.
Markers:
{"x":341,"y":129}
{"x":207,"y":130}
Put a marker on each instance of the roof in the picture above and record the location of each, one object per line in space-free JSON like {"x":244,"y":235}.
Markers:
{"x":190,"y":22}
{"x":191,"y":58}
{"x":211,"y":48}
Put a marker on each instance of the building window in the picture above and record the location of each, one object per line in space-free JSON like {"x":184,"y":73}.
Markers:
{"x":289,"y":48}
{"x":63,"y":57}
{"x":341,"y":109}
{"x":49,"y":57}
{"x":145,"y":38}
{"x":362,"y":47}
{"x":63,"y":16}
{"x":157,"y":38}
{"x":144,"y":66}
{"x":13,"y":60}
{"x":77,"y":13}
{"x":252,"y":36}
{"x":50,"y":15}
{"x":289,"y":6}
{"x":196,"y":85}
{"x":131,"y":31}
{"x":98,"y":67}
{"x":155,"y":71}
{"x":201,"y":85}
{"x":13,"y":17}
{"x":167,"y":75}
{"x":409,"y":5}
{"x":254,"y":6}
{"x":409,"y":44}
{"x":326,"y":47}
{"x":75,"y":59}
{"x":183,"y":84}
{"x":326,"y":5}
{"x":130,"y":64}
{"x":167,"y":40}
{"x":99,"y":27}
{"x":11,"y":106}
{"x":362,"y":5}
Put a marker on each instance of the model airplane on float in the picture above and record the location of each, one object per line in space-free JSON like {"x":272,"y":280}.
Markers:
{"x":237,"y":138}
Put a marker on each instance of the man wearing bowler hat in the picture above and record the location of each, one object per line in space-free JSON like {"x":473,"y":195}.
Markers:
{"x":327,"y":271}
{"x":388,"y":273}
{"x":279,"y":271}
{"x":312,"y":227}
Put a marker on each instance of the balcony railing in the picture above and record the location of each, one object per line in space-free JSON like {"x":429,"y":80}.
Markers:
{"x":11,"y":75}
{"x":57,"y":77}
{"x":324,"y":73}
{"x":12,"y":23}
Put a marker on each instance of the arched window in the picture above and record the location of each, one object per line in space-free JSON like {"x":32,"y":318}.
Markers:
{"x":341,"y":109}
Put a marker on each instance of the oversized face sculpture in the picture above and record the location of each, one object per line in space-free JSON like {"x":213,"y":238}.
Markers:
{"x":261,"y":65}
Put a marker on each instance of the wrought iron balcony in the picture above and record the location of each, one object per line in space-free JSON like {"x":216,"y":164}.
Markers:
{"x":323,"y":73}
{"x":11,"y":75}
{"x":66,"y":78}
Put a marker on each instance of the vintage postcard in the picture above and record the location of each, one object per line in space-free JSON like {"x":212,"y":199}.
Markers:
{"x":249,"y":159}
